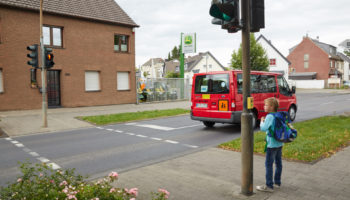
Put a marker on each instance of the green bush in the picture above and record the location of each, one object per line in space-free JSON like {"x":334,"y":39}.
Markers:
{"x":40,"y":182}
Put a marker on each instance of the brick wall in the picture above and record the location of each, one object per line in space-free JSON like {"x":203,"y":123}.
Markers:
{"x":318,"y":59}
{"x":87,"y":45}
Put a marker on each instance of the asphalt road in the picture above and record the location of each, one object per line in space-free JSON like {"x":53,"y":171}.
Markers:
{"x":122,"y":147}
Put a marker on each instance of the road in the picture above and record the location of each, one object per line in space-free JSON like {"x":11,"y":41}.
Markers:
{"x":122,"y":147}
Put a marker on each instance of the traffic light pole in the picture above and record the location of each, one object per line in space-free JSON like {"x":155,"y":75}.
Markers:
{"x":182,"y":70}
{"x":43,"y":69}
{"x":247,"y":136}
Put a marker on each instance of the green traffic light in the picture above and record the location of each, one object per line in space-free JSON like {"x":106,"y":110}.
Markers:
{"x":217,"y":13}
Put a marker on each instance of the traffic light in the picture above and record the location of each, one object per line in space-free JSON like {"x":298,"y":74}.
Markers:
{"x":33,"y":55}
{"x":226,"y":14}
{"x":48,"y":58}
{"x":257,"y":15}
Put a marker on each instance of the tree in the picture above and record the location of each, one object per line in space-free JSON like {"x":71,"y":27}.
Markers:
{"x":172,"y":75}
{"x":347,"y":52}
{"x":175,"y":53}
{"x":258,"y":57}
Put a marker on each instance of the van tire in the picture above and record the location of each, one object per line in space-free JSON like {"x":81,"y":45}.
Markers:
{"x":209,"y":124}
{"x":292,"y":113}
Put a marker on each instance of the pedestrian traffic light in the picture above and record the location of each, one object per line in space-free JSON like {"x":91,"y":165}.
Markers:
{"x":226,"y":14}
{"x":48,"y":58}
{"x":257,"y":15}
{"x":33,"y":55}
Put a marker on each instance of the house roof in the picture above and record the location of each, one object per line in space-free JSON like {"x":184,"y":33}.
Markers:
{"x":192,"y":61}
{"x":170,"y":66}
{"x":155,"y":61}
{"x":268,"y":42}
{"x":100,"y":10}
{"x":302,"y":75}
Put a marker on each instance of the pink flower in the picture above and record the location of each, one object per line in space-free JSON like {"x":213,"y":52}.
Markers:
{"x":112,"y":190}
{"x":113,"y":175}
{"x":133,"y":191}
{"x":52,"y":181}
{"x":41,"y":174}
{"x":72,"y":197}
{"x":65,"y":190}
{"x":19,"y":180}
{"x":132,"y":199}
{"x":165,"y":192}
{"x":63,"y":183}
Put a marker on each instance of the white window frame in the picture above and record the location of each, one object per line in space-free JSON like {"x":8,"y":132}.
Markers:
{"x":1,"y":82}
{"x":92,"y":81}
{"x":123,"y":81}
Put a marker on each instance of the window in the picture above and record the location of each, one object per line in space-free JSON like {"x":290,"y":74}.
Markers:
{"x":258,"y":83}
{"x":92,"y":81}
{"x":52,"y":36}
{"x":123,"y":82}
{"x":347,"y":43}
{"x":1,"y":82}
{"x":212,"y":84}
{"x":330,"y":64}
{"x":306,"y":61}
{"x":272,"y":61}
{"x":283,"y":86}
{"x":121,"y":43}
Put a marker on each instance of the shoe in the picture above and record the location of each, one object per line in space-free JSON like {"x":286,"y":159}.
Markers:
{"x":276,"y":186}
{"x":264,"y":188}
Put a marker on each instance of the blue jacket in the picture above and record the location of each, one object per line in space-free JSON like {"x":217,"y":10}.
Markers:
{"x":264,"y":126}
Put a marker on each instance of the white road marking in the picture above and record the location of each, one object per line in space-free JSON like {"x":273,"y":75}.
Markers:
{"x":130,"y":133}
{"x":99,"y":127}
{"x":171,"y":141}
{"x":27,"y":150}
{"x":164,"y":128}
{"x":191,"y":146}
{"x":43,"y":159}
{"x":54,"y":166}
{"x":188,"y":126}
{"x":118,"y":131}
{"x":14,"y":142}
{"x":109,"y":129}
{"x":35,"y":154}
{"x":158,"y":139}
{"x":8,"y":139}
{"x":143,"y":136}
{"x":326,"y":103}
{"x":19,"y":145}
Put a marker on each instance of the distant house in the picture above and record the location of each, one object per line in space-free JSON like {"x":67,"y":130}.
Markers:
{"x":314,"y":59}
{"x":153,"y":68}
{"x":278,"y":63}
{"x":203,"y":62}
{"x":345,"y":45}
{"x":171,"y":66}
{"x":93,"y":44}
{"x":344,"y":68}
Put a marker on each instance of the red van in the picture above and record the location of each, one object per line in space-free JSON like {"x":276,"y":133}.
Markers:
{"x":217,"y":96}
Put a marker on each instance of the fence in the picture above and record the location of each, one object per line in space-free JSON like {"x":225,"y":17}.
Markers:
{"x":162,"y":89}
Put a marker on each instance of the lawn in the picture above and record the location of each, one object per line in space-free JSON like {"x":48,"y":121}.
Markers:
{"x":132,"y":116}
{"x":317,"y":139}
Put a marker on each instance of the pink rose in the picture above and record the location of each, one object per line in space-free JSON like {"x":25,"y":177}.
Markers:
{"x":113,"y":175}
{"x":133,"y":191}
{"x":19,"y":180}
{"x":165,"y":192}
{"x":112,"y":190}
{"x":63,"y":183}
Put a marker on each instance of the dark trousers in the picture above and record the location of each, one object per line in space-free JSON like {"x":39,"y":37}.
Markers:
{"x":273,"y":155}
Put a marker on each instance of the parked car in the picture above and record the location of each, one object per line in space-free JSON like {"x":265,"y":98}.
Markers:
{"x":217,"y":96}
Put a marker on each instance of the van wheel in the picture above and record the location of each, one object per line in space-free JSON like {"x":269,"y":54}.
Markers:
{"x":209,"y":124}
{"x":292,"y":113}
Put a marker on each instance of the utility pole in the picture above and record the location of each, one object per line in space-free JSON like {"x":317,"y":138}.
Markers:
{"x":43,"y":69}
{"x":247,"y":136}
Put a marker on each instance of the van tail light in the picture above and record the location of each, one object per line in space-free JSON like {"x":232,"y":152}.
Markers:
{"x":233,"y":105}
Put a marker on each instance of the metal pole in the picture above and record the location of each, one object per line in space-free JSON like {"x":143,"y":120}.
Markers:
{"x":247,"y":136}
{"x":182,"y":69}
{"x":43,"y":69}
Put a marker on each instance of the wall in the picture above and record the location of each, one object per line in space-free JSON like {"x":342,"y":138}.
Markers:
{"x":87,"y":45}
{"x":308,"y":84}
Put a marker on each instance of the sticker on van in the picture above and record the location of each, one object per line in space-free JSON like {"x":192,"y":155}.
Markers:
{"x":204,"y":88}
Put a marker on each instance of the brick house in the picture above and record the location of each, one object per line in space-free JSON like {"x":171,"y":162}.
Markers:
{"x":312,"y":59}
{"x":94,"y":50}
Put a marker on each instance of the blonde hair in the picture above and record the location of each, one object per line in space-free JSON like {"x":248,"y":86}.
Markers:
{"x":272,"y":101}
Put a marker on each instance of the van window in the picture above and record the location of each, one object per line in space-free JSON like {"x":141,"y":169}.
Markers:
{"x":212,"y":84}
{"x":258,"y":83}
{"x":283,"y":86}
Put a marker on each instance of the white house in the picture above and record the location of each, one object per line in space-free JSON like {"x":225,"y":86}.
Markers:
{"x":203,"y":62}
{"x":278,"y":62}
{"x":153,"y":68}
{"x":345,"y":66}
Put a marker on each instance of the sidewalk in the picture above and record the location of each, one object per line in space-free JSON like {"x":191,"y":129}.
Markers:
{"x":26,"y":122}
{"x":215,"y":174}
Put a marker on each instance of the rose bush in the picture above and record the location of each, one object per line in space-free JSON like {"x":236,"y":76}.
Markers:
{"x":40,"y":182}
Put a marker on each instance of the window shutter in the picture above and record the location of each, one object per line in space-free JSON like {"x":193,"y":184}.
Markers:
{"x":123,"y":81}
{"x":1,"y":82}
{"x":92,"y":81}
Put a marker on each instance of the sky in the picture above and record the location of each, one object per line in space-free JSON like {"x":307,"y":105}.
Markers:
{"x":286,"y":23}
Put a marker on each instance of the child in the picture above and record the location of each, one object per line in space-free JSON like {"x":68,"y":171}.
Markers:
{"x":274,"y":148}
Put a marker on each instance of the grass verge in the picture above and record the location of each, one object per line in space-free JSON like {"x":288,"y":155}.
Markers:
{"x":318,"y":138}
{"x":132,"y":116}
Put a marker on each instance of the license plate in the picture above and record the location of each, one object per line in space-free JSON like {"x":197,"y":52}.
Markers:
{"x":223,"y":105}
{"x":201,"y":105}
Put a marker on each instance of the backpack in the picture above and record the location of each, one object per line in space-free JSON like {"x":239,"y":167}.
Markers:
{"x":284,"y":131}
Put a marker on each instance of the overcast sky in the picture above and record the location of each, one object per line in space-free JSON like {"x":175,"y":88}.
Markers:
{"x":286,"y":22}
